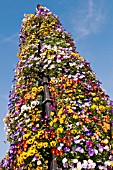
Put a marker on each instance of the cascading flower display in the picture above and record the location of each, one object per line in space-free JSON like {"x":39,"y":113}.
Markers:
{"x":78,"y":129}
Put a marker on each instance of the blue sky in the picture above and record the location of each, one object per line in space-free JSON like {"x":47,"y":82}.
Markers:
{"x":89,"y":21}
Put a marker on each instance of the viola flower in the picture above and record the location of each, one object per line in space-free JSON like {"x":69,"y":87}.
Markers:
{"x":34,"y":128}
{"x":66,"y":149}
{"x":91,"y":151}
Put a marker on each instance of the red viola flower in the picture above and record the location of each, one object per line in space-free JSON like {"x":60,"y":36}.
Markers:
{"x":71,"y":138}
{"x":53,"y":150}
{"x":81,"y":136}
{"x":61,"y":152}
{"x":59,"y":139}
{"x":57,"y":152}
{"x":68,"y":132}
{"x":64,"y":140}
{"x":68,"y":143}
{"x":53,"y":135}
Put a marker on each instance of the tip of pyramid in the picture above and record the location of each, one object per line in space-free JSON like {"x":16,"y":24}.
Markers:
{"x":39,"y":6}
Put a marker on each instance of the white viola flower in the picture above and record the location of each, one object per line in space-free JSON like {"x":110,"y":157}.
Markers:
{"x":64,"y":160}
{"x":55,"y":47}
{"x":75,"y":160}
{"x":101,"y":149}
{"x":34,"y":103}
{"x":49,"y":61}
{"x":66,"y":57}
{"x":107,"y":163}
{"x":27,"y":120}
{"x":76,"y":137}
{"x":39,"y":162}
{"x":92,"y":166}
{"x":45,"y":66}
{"x":81,"y":76}
{"x":24,"y":108}
{"x":74,"y":108}
{"x":52,"y":66}
{"x":59,"y":68}
{"x":106,"y":148}
{"x":85,"y":164}
{"x":25,"y":114}
{"x":61,"y":144}
{"x":77,"y":141}
{"x":69,"y":76}
{"x":69,"y":126}
{"x":90,"y":161}
{"x":48,"y":47}
{"x":96,"y":151}
{"x":85,"y":161}
{"x":79,"y":166}
{"x":45,"y":60}
{"x":77,"y":123}
{"x":101,"y":167}
{"x":58,"y":61}
{"x":59,"y":148}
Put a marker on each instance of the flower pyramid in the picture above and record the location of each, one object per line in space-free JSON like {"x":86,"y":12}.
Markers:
{"x":78,"y":129}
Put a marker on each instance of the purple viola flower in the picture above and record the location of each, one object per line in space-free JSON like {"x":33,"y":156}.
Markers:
{"x":79,"y":149}
{"x":88,"y":133}
{"x":34,"y":128}
{"x":46,"y":116}
{"x":16,"y":112}
{"x":111,"y":103}
{"x":91,"y":151}
{"x":111,"y":110}
{"x":65,"y":165}
{"x":66,"y":149}
{"x":71,"y":165}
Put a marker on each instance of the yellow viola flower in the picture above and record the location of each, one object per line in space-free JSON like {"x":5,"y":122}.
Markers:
{"x":75,"y":117}
{"x":53,"y":143}
{"x":30,"y":165}
{"x":46,"y":161}
{"x":41,"y":88}
{"x":63,"y":116}
{"x":102,"y":108}
{"x":93,"y":94}
{"x":60,"y":111}
{"x":105,"y":141}
{"x":93,"y":107}
{"x":39,"y":168}
{"x":52,"y":113}
{"x":54,"y":120}
{"x":111,"y":163}
{"x":95,"y":99}
{"x":61,"y":120}
{"x":68,"y":107}
{"x":51,"y":123}
{"x":45,"y":144}
{"x":60,"y":130}
{"x":25,"y":136}
{"x":4,"y":120}
{"x":73,"y":131}
{"x":70,"y":111}
{"x":20,"y":160}
{"x":40,"y":145}
{"x":30,"y":141}
{"x":74,"y":54}
{"x":34,"y":89}
{"x":66,"y":122}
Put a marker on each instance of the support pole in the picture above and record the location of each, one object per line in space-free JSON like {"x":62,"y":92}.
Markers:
{"x":47,"y":101}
